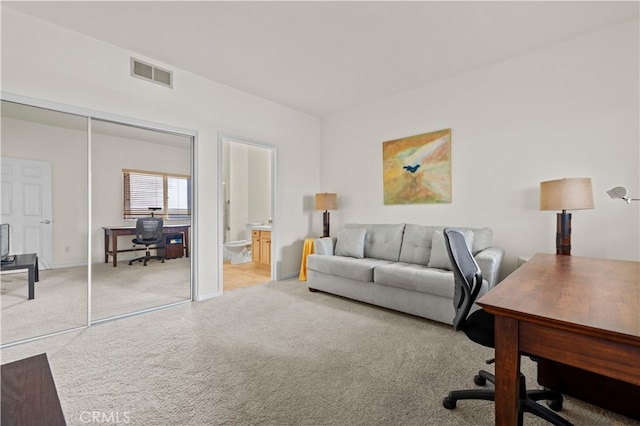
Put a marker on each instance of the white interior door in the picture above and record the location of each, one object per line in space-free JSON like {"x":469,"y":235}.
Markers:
{"x":27,"y":207}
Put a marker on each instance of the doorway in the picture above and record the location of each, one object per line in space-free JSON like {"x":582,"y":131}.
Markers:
{"x":247,"y":225}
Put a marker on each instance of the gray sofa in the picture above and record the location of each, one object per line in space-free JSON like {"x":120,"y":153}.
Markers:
{"x":404,"y":267}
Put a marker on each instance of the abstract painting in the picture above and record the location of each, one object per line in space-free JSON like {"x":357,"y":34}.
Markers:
{"x":417,"y":169}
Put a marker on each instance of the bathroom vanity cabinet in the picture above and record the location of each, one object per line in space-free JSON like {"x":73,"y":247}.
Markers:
{"x":261,"y":247}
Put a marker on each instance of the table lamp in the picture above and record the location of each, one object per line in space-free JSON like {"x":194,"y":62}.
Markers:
{"x":326,"y":201}
{"x":565,"y":194}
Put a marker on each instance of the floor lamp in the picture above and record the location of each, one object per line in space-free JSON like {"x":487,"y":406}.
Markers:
{"x":326,"y":201}
{"x":565,"y":194}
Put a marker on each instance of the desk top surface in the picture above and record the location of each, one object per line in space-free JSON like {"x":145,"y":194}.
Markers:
{"x":126,"y":227}
{"x":577,"y":292}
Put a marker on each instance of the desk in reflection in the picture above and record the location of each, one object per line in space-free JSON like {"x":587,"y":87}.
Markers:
{"x":111,"y":233}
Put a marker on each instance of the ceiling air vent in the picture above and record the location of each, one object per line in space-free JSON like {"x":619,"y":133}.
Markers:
{"x":152,"y":73}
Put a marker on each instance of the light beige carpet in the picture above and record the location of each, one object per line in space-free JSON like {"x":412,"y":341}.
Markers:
{"x":275,"y":354}
{"x":61,"y":295}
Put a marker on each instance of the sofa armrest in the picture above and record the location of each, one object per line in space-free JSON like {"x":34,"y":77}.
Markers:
{"x":324,"y":246}
{"x":490,"y":261}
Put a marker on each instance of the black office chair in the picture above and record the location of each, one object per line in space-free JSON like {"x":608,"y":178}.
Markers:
{"x":480,"y":328}
{"x":148,"y":232}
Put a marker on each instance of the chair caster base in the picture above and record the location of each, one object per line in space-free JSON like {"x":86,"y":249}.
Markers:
{"x":479,"y":380}
{"x":449,"y":403}
{"x":555,"y":405}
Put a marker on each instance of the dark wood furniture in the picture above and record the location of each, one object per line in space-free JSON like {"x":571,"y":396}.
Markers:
{"x":173,"y":246}
{"x":612,"y":394}
{"x":578,"y":311}
{"x":29,"y":395}
{"x":111,"y":234}
{"x":28,"y":262}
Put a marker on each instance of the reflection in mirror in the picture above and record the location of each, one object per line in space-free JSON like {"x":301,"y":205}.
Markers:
{"x":45,"y":203}
{"x":138,"y":173}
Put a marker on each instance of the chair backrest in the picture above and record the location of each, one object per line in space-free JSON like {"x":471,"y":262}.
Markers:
{"x":149,"y":228}
{"x":467,"y":274}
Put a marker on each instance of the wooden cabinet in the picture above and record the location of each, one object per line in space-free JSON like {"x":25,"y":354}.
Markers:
{"x":612,"y":394}
{"x":255,"y":246}
{"x":173,"y":246}
{"x":261,"y":247}
{"x":265,"y":248}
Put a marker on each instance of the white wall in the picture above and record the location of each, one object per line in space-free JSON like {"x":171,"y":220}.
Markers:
{"x":48,"y":62}
{"x":569,"y":110}
{"x":259,"y":172}
{"x":238,"y":191}
{"x":66,"y":149}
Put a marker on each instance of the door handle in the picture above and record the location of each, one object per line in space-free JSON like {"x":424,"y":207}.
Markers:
{"x":45,"y":221}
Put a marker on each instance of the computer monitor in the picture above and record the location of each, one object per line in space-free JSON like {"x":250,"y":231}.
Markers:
{"x":4,"y":240}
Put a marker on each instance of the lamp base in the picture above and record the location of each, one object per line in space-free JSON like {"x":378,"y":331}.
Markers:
{"x":325,"y":224}
{"x":563,"y":233}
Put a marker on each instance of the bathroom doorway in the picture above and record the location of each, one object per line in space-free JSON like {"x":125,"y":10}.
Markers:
{"x":246,"y":212}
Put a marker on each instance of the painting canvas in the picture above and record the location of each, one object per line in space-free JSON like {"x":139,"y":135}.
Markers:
{"x":417,"y":169}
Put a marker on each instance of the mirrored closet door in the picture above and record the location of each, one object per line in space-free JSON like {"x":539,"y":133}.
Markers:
{"x":45,"y":204}
{"x":139,"y":173}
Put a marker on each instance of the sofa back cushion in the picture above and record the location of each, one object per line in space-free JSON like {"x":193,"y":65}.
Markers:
{"x":482,"y":238}
{"x":381,"y":241}
{"x":417,"y":243}
{"x":439,"y":254}
{"x":350,"y":242}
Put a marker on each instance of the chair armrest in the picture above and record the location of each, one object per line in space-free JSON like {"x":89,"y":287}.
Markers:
{"x":490,"y":262}
{"x":324,"y":246}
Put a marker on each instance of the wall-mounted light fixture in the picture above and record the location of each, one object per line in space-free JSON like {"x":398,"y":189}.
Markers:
{"x":565,"y":194}
{"x":621,"y":193}
{"x":326,"y":201}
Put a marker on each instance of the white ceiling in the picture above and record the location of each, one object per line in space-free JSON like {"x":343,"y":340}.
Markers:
{"x":326,"y":57}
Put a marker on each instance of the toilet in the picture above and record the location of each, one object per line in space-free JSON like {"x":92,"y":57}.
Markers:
{"x":239,"y":251}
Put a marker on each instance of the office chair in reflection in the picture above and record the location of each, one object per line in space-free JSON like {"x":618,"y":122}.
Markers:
{"x":149,"y":231}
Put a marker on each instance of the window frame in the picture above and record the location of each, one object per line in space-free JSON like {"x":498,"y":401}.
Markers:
{"x":132,"y":214}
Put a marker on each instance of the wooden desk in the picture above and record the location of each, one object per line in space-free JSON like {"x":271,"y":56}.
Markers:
{"x":28,"y":262}
{"x":577,"y":311}
{"x":116,"y":231}
{"x":29,"y":395}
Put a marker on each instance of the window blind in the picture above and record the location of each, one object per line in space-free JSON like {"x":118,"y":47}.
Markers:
{"x":170,"y":194}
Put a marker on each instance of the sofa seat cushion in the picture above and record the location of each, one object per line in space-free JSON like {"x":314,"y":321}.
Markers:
{"x":347,"y":267}
{"x":414,"y":277}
